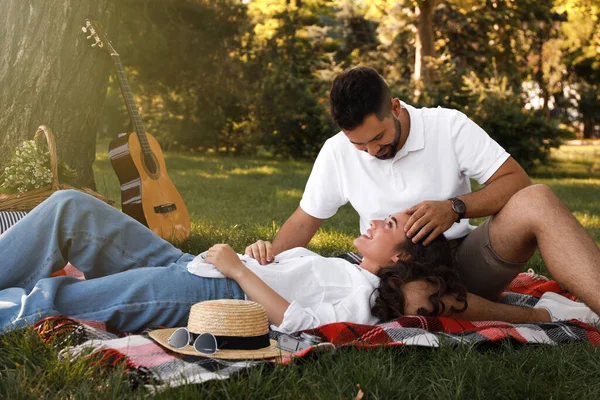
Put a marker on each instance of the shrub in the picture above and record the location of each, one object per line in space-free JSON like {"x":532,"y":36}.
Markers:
{"x":527,"y":135}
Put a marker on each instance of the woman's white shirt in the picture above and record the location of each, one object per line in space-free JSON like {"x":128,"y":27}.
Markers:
{"x":320,"y":290}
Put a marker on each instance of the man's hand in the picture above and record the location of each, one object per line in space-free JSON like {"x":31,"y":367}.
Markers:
{"x":429,"y":218}
{"x":226,"y":260}
{"x":261,"y":251}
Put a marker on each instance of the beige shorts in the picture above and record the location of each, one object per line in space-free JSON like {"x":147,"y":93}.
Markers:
{"x":481,"y":270}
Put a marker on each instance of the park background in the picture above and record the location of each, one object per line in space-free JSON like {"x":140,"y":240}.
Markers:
{"x":251,"y":77}
{"x":237,"y":94}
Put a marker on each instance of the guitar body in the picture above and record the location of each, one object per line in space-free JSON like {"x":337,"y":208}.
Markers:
{"x":147,"y":193}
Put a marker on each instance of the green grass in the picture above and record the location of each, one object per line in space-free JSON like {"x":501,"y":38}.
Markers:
{"x":239,"y":200}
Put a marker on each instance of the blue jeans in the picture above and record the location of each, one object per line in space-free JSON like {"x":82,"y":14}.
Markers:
{"x":133,"y":277}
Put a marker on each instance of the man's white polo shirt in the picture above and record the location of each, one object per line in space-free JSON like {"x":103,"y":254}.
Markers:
{"x":443,"y":150}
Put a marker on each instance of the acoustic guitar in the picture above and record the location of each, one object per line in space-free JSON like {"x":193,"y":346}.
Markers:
{"x":147,"y":193}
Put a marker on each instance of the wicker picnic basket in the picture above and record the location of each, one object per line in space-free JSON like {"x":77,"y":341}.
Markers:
{"x":26,"y":201}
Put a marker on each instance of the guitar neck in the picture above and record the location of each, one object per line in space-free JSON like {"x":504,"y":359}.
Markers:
{"x":130,"y":103}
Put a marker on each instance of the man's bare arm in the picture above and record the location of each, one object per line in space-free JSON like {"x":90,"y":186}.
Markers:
{"x":506,"y":181}
{"x":432,"y":218}
{"x":297,"y":231}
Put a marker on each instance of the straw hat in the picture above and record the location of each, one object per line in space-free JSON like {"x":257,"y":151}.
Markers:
{"x":237,"y":319}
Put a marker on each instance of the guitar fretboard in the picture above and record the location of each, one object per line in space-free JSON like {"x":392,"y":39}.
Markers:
{"x":130,"y":103}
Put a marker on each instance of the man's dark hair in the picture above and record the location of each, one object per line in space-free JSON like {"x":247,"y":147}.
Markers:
{"x":357,"y":93}
{"x":431,"y":263}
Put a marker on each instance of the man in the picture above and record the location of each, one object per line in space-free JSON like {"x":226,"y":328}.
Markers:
{"x":391,"y":156}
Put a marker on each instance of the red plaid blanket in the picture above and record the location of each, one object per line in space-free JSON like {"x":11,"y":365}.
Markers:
{"x":149,"y":363}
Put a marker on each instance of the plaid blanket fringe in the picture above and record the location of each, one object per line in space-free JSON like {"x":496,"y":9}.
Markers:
{"x":149,"y":364}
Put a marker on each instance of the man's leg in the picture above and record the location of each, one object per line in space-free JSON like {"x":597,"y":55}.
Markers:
{"x":481,"y":269}
{"x":417,"y":295}
{"x":74,"y":227}
{"x":536,"y":218}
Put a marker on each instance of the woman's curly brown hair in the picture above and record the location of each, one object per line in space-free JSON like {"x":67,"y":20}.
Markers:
{"x":431,"y":263}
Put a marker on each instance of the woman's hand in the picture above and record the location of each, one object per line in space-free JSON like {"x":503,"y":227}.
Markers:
{"x":226,"y":260}
{"x":261,"y":251}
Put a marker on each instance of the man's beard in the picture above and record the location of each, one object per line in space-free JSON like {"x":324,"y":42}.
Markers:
{"x":392,"y":148}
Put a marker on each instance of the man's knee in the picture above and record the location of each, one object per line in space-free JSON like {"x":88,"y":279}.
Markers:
{"x":534,"y":196}
{"x":532,"y":203}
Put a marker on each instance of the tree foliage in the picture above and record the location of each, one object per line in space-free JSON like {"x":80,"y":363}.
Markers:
{"x":253,"y":76}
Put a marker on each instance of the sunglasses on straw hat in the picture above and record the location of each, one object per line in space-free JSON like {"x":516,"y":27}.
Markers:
{"x":232,"y":329}
{"x":205,"y":343}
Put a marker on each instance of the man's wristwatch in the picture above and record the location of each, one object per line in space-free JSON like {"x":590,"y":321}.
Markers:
{"x":459,"y":207}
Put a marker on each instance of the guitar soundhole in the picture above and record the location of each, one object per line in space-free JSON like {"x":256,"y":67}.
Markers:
{"x":150,"y":163}
{"x":165,"y":208}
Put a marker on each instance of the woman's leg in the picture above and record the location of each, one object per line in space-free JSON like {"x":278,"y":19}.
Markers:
{"x":74,"y":227}
{"x":128,"y":301}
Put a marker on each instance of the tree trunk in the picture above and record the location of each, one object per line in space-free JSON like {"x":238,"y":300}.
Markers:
{"x":589,"y":108}
{"x":588,"y":127}
{"x":49,"y":75}
{"x":424,"y":42}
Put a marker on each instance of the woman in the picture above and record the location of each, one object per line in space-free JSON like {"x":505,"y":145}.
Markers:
{"x":135,"y":279}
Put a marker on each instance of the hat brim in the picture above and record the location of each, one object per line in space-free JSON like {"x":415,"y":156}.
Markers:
{"x":161,"y":336}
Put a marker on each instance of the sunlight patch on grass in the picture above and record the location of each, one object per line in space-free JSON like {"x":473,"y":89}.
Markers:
{"x":206,"y":233}
{"x":592,"y":181}
{"x":202,"y":174}
{"x":289,"y":193}
{"x":268,"y":230}
{"x":263,"y":170}
{"x":101,"y":156}
{"x":570,"y":152}
{"x":578,"y":161}
{"x":588,"y":220}
{"x":330,"y":243}
{"x":195,"y":157}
